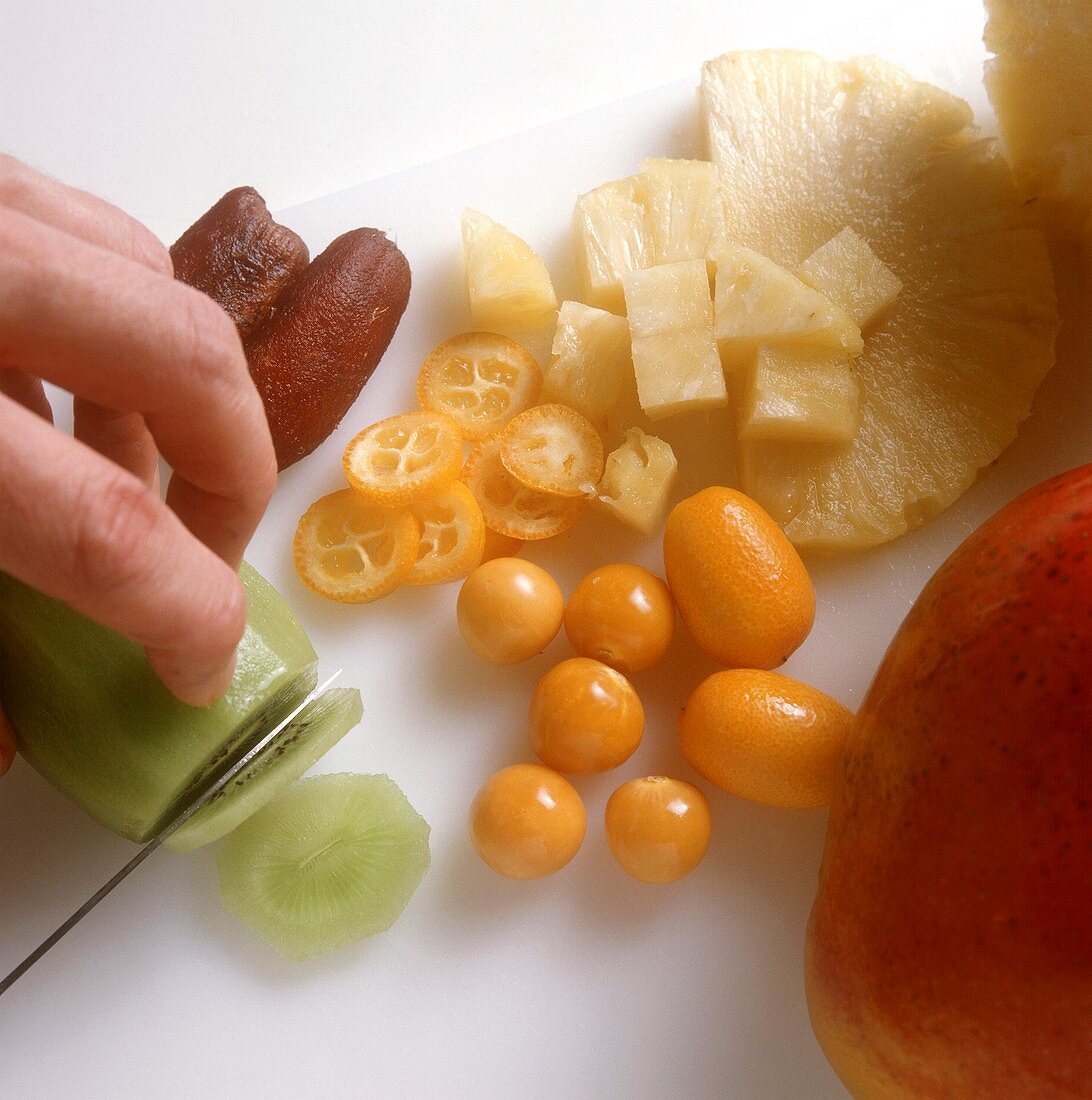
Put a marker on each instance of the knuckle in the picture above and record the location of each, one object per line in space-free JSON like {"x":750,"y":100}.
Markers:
{"x":113,"y":534}
{"x":211,"y":345}
{"x":13,"y":232}
{"x":150,"y":250}
{"x":266,"y":471}
{"x":13,"y":179}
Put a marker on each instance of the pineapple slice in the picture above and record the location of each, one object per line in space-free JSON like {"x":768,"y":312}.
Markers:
{"x":758,"y":301}
{"x":798,"y":397}
{"x":591,"y":360}
{"x":804,"y":146}
{"x":610,"y":240}
{"x":509,"y":286}
{"x":850,"y":274}
{"x":637,"y":481}
{"x":1040,"y":84}
{"x":675,"y":359}
{"x":682,"y":211}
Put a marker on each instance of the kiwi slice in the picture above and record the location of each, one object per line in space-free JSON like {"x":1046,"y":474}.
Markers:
{"x":333,"y":860}
{"x":310,"y":735}
{"x":92,"y":717}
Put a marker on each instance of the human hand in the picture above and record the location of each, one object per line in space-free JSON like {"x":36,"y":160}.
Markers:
{"x":88,"y":301}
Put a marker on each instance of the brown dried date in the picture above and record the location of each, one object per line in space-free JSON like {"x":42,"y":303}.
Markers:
{"x":240,"y":257}
{"x":329,"y":330}
{"x":313,"y":333}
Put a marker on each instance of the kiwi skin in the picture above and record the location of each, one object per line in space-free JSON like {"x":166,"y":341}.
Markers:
{"x":91,"y":716}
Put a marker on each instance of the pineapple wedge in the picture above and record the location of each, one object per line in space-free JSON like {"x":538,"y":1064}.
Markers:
{"x":675,"y":359}
{"x":805,"y":146}
{"x":851,"y":275}
{"x":1040,"y":84}
{"x":758,"y":301}
{"x":637,"y":481}
{"x":591,"y":360}
{"x":798,"y":397}
{"x":682,"y":212}
{"x":508,"y":285}
{"x":610,"y":240}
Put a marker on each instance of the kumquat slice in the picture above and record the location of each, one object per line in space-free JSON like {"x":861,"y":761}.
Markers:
{"x":510,"y":508}
{"x":452,"y":536}
{"x":481,"y":380}
{"x":555,"y":449}
{"x":404,"y":458}
{"x":352,"y":550}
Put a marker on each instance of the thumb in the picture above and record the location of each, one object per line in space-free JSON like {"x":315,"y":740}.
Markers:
{"x":7,"y":744}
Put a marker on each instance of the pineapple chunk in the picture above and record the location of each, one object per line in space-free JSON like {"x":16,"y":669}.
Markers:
{"x":609,"y":240}
{"x":852,"y":276}
{"x":637,"y":481}
{"x":682,"y":209}
{"x":591,"y":360}
{"x":675,"y":358}
{"x":758,"y":301}
{"x":1040,"y":85}
{"x":799,"y":397}
{"x":509,"y":286}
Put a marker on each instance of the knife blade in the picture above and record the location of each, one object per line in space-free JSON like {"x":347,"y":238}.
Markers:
{"x":217,"y":783}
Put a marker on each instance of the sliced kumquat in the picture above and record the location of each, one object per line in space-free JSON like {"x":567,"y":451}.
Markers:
{"x":510,"y":508}
{"x":481,"y":380}
{"x":554,"y":449}
{"x":352,"y":550}
{"x":452,"y":535}
{"x":404,"y":458}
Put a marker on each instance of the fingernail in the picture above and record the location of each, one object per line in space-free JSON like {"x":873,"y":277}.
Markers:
{"x":200,"y":689}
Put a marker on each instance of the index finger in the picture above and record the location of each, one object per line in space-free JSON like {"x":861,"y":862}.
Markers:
{"x":128,"y":339}
{"x":79,"y":213}
{"x":76,"y":527}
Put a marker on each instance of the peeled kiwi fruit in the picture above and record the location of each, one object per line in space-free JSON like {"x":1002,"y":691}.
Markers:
{"x":335,"y":859}
{"x":309,"y":736}
{"x":91,"y":716}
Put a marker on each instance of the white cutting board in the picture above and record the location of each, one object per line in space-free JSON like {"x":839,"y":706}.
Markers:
{"x":587,"y":984}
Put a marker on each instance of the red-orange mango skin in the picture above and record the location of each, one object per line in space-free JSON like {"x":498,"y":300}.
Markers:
{"x":949,"y":951}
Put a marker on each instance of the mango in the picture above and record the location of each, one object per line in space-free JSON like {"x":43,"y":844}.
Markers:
{"x":949,"y":950}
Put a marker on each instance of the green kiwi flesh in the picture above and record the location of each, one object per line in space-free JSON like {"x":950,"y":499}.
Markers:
{"x":309,"y":736}
{"x":331,"y":861}
{"x":91,"y":716}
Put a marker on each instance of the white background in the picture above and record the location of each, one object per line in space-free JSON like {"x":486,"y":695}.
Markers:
{"x":162,"y":105}
{"x":588,"y":985}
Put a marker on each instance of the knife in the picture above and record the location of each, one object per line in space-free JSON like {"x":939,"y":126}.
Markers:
{"x":217,"y":783}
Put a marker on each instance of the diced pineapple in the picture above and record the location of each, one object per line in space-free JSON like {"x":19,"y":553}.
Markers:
{"x":508,"y":285}
{"x":852,"y":276}
{"x":682,"y":209}
{"x":1040,"y":84}
{"x":758,"y":301}
{"x":609,"y":240}
{"x":799,"y":397}
{"x":637,"y":481}
{"x":591,"y":360}
{"x":675,"y":358}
